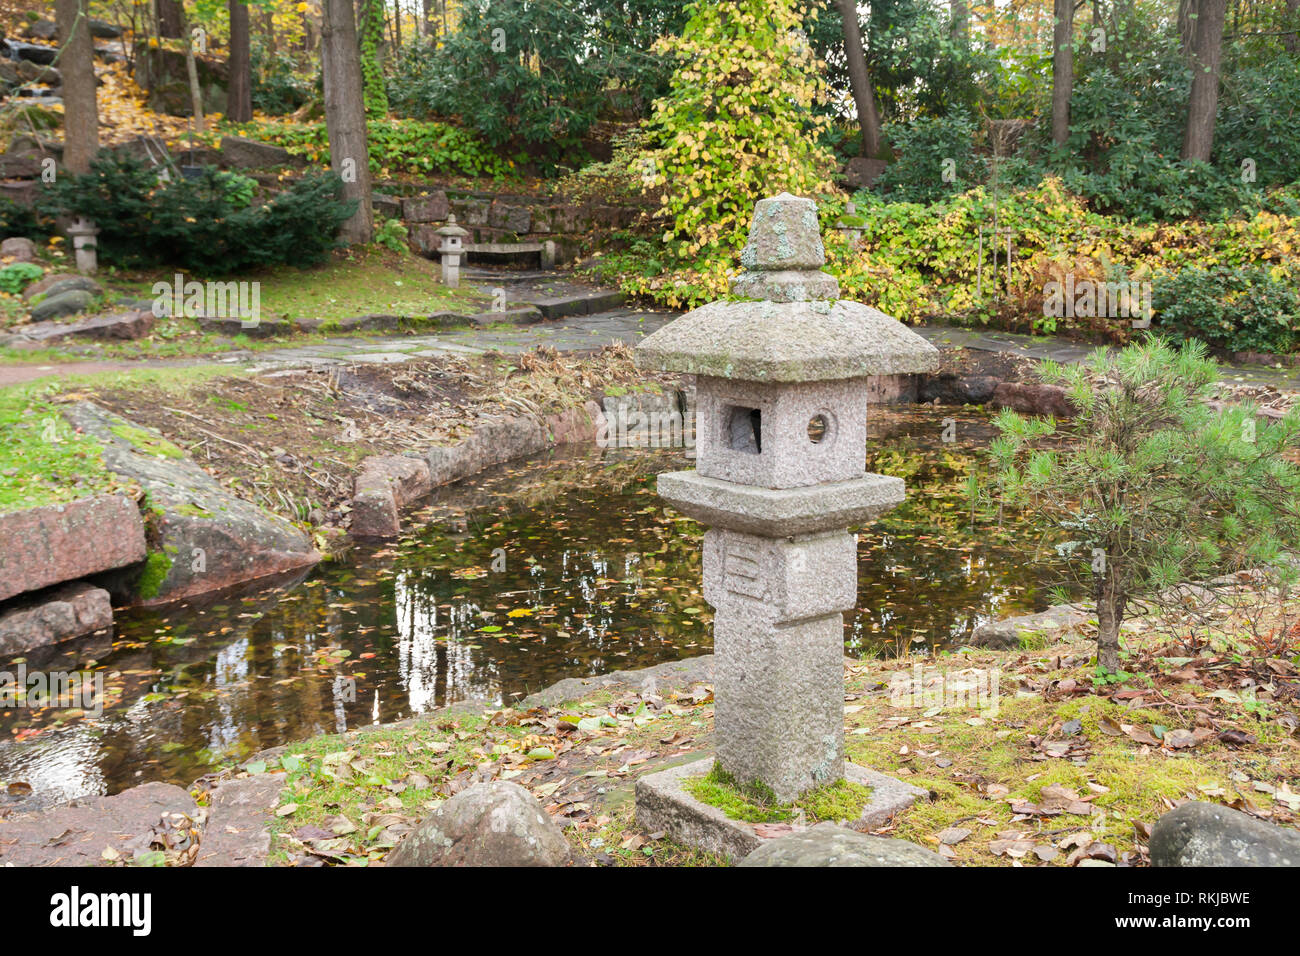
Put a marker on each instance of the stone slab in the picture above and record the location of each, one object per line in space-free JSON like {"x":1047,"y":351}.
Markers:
{"x":238,"y":831}
{"x":780,"y":512}
{"x":77,"y":833}
{"x":48,"y":617}
{"x":663,"y":804}
{"x":44,"y":546}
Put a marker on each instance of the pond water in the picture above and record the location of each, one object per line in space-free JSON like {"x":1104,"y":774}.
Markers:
{"x":563,"y":566}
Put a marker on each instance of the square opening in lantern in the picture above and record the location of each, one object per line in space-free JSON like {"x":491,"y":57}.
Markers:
{"x":743,"y":429}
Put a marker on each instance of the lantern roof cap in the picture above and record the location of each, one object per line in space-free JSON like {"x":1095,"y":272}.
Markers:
{"x":451,"y":229}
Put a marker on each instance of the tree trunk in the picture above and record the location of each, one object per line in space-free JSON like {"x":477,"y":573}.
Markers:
{"x":1111,"y":601}
{"x":171,"y":19}
{"x":345,"y":116}
{"x":1062,"y":69}
{"x":429,"y":28}
{"x":397,"y":28}
{"x":239,"y":100}
{"x":860,"y":79}
{"x":77,"y":63}
{"x":959,"y":20}
{"x":1292,"y":42}
{"x":268,"y":28}
{"x":192,"y":69}
{"x":1204,"y":100}
{"x":1187,"y":25}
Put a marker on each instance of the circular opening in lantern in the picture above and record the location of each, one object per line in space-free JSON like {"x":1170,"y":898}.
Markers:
{"x":818,"y":427}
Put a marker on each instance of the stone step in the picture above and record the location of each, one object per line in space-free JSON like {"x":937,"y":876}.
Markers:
{"x":582,"y":303}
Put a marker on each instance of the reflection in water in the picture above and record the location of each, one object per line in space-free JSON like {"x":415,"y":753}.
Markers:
{"x":563,"y":567}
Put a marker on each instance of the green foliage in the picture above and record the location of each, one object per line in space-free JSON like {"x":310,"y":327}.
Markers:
{"x":1238,"y":309}
{"x":199,"y":224}
{"x":16,"y":220}
{"x":392,"y":234}
{"x":926,"y":147}
{"x":536,"y":76}
{"x":917,"y":66}
{"x":1154,"y":486}
{"x":277,"y":86}
{"x":736,"y":125}
{"x":19,"y":275}
{"x":371,"y":30}
{"x":396,"y":145}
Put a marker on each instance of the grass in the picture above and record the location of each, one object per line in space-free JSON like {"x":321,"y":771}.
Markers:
{"x":43,"y":461}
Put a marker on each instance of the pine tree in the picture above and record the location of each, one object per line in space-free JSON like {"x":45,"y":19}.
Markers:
{"x":1157,"y":486}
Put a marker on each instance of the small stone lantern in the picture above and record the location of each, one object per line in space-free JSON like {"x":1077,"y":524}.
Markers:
{"x":449,"y":249}
{"x":781,"y":386}
{"x":85,"y":245}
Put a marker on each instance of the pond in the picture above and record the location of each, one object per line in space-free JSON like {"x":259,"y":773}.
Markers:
{"x":566,"y":565}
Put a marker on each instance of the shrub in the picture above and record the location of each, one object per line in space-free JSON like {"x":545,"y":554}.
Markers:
{"x":925,"y":148}
{"x":407,"y":146}
{"x":736,"y":125}
{"x":1242,"y":309}
{"x":392,"y":235}
{"x":277,"y":87}
{"x":199,"y":224}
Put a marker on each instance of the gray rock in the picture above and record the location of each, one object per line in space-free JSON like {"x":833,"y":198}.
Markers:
{"x":63,"y":303}
{"x":207,"y":538}
{"x":51,"y":616}
{"x":232,"y":326}
{"x":77,"y":833}
{"x":59,"y":283}
{"x":431,"y":208}
{"x":127,"y":325}
{"x":783,"y":236}
{"x":243,"y":153}
{"x":1206,"y":834}
{"x":238,"y":831}
{"x":21,"y":248}
{"x":516,"y":219}
{"x":1006,"y":634}
{"x":829,"y":845}
{"x":489,"y":824}
{"x":958,"y":389}
{"x":1032,"y":399}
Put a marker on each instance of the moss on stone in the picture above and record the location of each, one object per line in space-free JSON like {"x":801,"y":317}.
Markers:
{"x":756,"y":803}
{"x":147,"y":441}
{"x":156,"y":568}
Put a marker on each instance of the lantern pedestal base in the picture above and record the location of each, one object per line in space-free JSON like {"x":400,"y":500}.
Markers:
{"x":663,"y":804}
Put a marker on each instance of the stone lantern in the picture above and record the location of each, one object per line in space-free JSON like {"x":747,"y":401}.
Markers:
{"x":85,"y":245}
{"x":781,"y":388}
{"x":449,"y":248}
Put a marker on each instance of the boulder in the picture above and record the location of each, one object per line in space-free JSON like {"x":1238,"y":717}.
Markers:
{"x":30,"y":71}
{"x":829,"y":845}
{"x":19,"y":248}
{"x":389,"y":207}
{"x":431,"y":208}
{"x":385,"y":485}
{"x":862,"y":173}
{"x":57,"y":543}
{"x":77,"y":833}
{"x":950,"y":389}
{"x":103,"y":30}
{"x":1206,"y":834}
{"x":62,"y":303}
{"x":67,"y":611}
{"x":488,"y":824}
{"x":33,"y":52}
{"x":1006,"y":634}
{"x":126,"y":325}
{"x":516,"y":219}
{"x":207,"y":538}
{"x":59,"y":282}
{"x":1032,"y":399}
{"x":238,"y":830}
{"x":243,"y":153}
{"x":231,"y":325}
{"x":40,"y":29}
